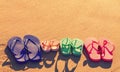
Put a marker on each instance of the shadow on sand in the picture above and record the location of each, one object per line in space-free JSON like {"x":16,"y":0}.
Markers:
{"x":48,"y":60}
{"x":29,"y":64}
{"x":61,"y":57}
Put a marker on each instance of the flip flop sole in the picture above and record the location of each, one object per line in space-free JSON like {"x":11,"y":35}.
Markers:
{"x":107,"y":49}
{"x":32,"y":44}
{"x":92,"y":48}
{"x":45,"y":45}
{"x":77,"y":47}
{"x":55,"y":44}
{"x":16,"y":45}
{"x":65,"y":45}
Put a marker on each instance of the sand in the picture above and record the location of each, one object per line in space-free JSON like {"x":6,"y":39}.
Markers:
{"x":56,"y":19}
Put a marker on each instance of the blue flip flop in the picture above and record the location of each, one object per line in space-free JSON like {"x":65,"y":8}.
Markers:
{"x":16,"y":46}
{"x":32,"y":44}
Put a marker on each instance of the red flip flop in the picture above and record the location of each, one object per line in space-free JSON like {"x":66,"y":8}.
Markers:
{"x":92,"y":47}
{"x":107,"y":49}
{"x":46,"y":46}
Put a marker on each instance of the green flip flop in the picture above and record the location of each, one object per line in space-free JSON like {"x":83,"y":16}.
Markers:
{"x":77,"y":47}
{"x":65,"y":45}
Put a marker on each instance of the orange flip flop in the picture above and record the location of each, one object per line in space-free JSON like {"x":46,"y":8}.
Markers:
{"x":47,"y":46}
{"x":55,"y":45}
{"x":107,"y":49}
{"x":92,"y":48}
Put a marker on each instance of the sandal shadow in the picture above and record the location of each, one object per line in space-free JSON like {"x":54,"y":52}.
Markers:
{"x":11,"y":61}
{"x":48,"y":58}
{"x":63,"y":67}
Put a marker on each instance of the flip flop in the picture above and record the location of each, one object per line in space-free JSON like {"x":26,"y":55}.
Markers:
{"x":16,"y":46}
{"x":54,"y":45}
{"x":45,"y":45}
{"x":92,"y":48}
{"x":65,"y":45}
{"x":107,"y":49}
{"x":77,"y":47}
{"x":32,"y":44}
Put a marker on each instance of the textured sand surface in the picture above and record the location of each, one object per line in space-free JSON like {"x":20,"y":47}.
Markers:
{"x":49,"y":19}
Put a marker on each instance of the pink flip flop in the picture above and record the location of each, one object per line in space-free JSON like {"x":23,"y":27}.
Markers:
{"x":107,"y":49}
{"x":93,"y":50}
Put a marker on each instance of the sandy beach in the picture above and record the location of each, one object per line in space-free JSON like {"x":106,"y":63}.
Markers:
{"x":56,"y":19}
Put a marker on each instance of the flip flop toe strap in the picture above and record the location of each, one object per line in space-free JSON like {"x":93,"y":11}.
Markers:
{"x":93,"y":47}
{"x":23,"y":53}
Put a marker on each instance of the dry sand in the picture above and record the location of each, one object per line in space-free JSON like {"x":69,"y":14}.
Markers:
{"x":49,"y":19}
